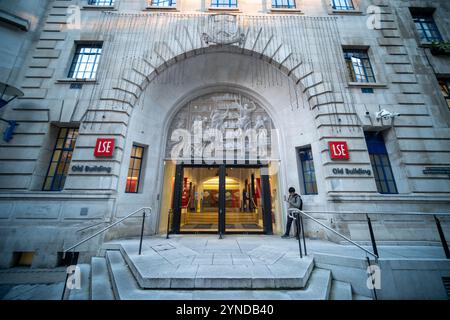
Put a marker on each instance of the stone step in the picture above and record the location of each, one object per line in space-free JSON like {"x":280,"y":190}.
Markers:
{"x":83,"y":293}
{"x":360,"y":297}
{"x":182,"y":268}
{"x":101,"y":288}
{"x":340,"y":290}
{"x":126,"y":288}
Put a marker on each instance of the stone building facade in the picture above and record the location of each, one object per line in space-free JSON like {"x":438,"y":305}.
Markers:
{"x":314,"y":74}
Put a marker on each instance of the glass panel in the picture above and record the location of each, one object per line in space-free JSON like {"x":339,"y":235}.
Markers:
{"x":85,"y":61}
{"x":224,"y":3}
{"x":138,"y":152}
{"x":289,"y":4}
{"x":164,"y":3}
{"x":134,"y":169}
{"x":200,"y":200}
{"x":137,"y":164}
{"x":60,"y":161}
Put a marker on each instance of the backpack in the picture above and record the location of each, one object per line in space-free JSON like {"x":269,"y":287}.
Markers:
{"x":301,"y":201}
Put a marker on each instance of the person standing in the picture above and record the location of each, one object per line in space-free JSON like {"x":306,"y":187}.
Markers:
{"x":294,"y":201}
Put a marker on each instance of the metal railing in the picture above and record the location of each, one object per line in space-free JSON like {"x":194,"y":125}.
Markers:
{"x":412,"y":214}
{"x":112,"y":225}
{"x":294,"y":210}
{"x":74,"y":256}
{"x":297,"y":214}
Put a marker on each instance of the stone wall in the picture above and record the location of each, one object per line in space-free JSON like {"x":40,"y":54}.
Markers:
{"x":289,"y":61}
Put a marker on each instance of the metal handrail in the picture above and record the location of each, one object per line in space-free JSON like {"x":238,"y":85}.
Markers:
{"x":334,"y":231}
{"x":106,"y":228}
{"x":384,"y":213}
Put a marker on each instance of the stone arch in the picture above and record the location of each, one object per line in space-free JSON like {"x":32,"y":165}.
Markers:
{"x":258,"y":43}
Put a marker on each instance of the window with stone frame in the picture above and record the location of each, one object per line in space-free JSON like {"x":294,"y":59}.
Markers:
{"x":283,"y":4}
{"x":425,"y":24}
{"x":444,"y":84}
{"x":308,"y":175}
{"x":85,"y":61}
{"x":224,"y":4}
{"x":379,"y":158}
{"x":163,"y":3}
{"x":134,"y":169}
{"x":342,"y":5}
{"x":101,"y":2}
{"x":359,"y":66}
{"x":60,"y":160}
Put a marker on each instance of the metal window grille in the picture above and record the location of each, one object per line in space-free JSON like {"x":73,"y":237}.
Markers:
{"x":85,"y":61}
{"x":134,"y":170}
{"x":60,"y":161}
{"x":287,"y":4}
{"x":309,"y":175}
{"x":381,"y":165}
{"x":359,"y":66}
{"x":224,"y":3}
{"x":342,"y":4}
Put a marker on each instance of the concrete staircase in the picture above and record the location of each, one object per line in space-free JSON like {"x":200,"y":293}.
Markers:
{"x":120,"y":273}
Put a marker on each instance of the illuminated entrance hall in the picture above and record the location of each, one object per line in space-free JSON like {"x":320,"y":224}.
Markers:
{"x":201,"y":203}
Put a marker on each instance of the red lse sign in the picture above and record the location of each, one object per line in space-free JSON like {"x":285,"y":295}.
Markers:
{"x":338,"y":150}
{"x":104,"y":147}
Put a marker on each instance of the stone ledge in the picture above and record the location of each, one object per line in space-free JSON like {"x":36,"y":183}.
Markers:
{"x":285,"y":11}
{"x":367,"y":85}
{"x":14,"y":20}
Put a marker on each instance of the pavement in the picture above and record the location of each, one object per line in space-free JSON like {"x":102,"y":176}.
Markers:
{"x":204,"y":251}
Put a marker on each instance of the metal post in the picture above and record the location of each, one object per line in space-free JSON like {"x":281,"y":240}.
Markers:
{"x":73,"y":261}
{"x":168,"y":224}
{"x":303,"y":233}
{"x":372,"y":237}
{"x":142,"y":232}
{"x":373,"y":281}
{"x":297,"y":223}
{"x":442,"y":236}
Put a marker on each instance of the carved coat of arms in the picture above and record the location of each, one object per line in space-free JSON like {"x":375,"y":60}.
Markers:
{"x":223,"y":28}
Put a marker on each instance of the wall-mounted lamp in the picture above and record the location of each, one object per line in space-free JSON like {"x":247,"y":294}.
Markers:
{"x":7,"y":94}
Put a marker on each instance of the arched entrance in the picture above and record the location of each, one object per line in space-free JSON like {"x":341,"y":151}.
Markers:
{"x":219,"y":172}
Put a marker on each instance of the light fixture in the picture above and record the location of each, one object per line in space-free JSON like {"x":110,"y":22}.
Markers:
{"x":8,"y":94}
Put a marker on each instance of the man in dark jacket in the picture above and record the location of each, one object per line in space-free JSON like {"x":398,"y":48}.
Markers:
{"x":295,"y":201}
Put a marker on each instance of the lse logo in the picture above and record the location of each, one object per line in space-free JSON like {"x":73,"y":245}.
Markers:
{"x":338,"y":150}
{"x":104,"y":147}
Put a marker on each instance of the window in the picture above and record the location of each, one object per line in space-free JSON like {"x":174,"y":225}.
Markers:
{"x":134,"y":170}
{"x":358,"y":65}
{"x":85,"y":61}
{"x":381,"y":166}
{"x":22,"y":259}
{"x":445,"y":89}
{"x":425,"y":25}
{"x":309,"y":175}
{"x":224,"y":3}
{"x":164,"y":3}
{"x":283,"y":4}
{"x":342,"y":5}
{"x":60,"y":161}
{"x":101,"y":2}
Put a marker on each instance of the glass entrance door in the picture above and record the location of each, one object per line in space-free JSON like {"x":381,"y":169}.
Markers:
{"x":221,"y":199}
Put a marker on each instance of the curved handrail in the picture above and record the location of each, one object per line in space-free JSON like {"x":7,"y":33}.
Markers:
{"x":106,"y":228}
{"x":334,"y":231}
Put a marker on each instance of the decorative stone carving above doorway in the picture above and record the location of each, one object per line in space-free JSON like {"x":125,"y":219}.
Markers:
{"x":242,"y":123}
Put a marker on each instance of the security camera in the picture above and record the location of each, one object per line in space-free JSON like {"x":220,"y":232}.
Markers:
{"x":386,"y":115}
